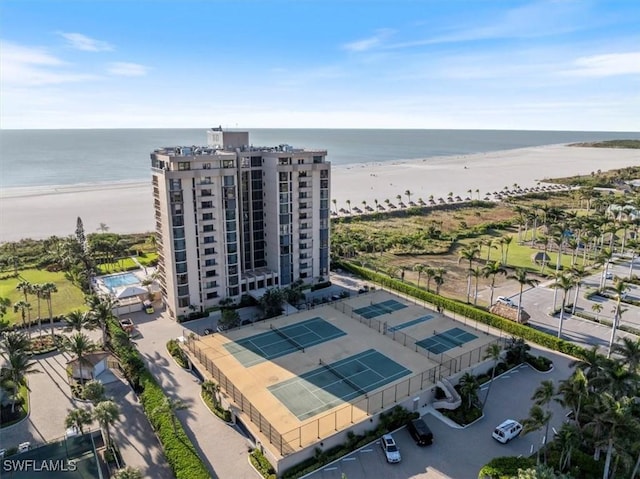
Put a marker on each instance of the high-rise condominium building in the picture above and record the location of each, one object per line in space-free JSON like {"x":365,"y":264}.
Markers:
{"x":234,"y":219}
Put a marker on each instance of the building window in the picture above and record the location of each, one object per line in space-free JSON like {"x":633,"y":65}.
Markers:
{"x":209,"y":240}
{"x":207,"y":228}
{"x":207,"y":216}
{"x":208,"y":251}
{"x":212,"y":295}
{"x":318,"y":159}
{"x":228,"y":164}
{"x":175,"y":184}
{"x":184,"y":165}
{"x":207,"y":204}
{"x":183,"y":302}
{"x":210,"y":262}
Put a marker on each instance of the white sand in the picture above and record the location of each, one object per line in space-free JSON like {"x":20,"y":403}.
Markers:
{"x":128,"y":207}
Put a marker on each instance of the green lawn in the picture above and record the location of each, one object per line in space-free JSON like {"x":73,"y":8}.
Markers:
{"x":148,"y":258}
{"x":520,"y":256}
{"x":125,"y":264}
{"x":68,"y":297}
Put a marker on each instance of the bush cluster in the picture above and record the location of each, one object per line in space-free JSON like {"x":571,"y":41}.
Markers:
{"x":322,"y":285}
{"x":505,"y":467}
{"x":261,"y":463}
{"x":177,"y":353}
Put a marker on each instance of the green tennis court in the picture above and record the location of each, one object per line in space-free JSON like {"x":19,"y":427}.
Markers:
{"x":279,"y":342}
{"x":378,"y":309}
{"x":441,"y":342}
{"x":332,"y":384}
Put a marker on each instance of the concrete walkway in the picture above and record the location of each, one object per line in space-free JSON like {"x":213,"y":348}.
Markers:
{"x":222,"y":447}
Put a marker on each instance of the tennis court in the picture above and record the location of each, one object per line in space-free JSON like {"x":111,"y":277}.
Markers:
{"x":279,"y":342}
{"x":378,"y":309}
{"x":442,"y":342}
{"x":332,"y":384}
{"x":408,"y":324}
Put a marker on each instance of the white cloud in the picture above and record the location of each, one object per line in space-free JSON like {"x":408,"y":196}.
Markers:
{"x":369,"y":43}
{"x":127,"y":69}
{"x":34,"y":66}
{"x":85,"y":43}
{"x":610,"y":64}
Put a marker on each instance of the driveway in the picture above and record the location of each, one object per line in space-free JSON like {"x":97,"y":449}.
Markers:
{"x":460,"y":453}
{"x":222,"y":447}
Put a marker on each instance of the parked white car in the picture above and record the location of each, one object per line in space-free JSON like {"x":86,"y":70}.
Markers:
{"x":390,"y":448}
{"x":505,"y":300}
{"x":506,"y":431}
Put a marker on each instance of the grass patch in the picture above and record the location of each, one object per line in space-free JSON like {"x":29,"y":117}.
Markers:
{"x":21,"y":409}
{"x":68,"y":297}
{"x":125,"y":264}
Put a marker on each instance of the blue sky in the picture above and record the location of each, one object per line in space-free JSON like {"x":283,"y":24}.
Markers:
{"x":538,"y":64}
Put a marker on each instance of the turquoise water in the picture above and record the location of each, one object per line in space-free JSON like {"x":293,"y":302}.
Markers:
{"x":117,"y":281}
{"x":68,"y":157}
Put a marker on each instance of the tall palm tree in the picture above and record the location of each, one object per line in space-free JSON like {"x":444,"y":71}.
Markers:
{"x":476,"y":273}
{"x":26,"y":289}
{"x":14,"y":342}
{"x":47,"y":291}
{"x":494,"y":351}
{"x":100,"y":314}
{"x":491,"y":270}
{"x":522,"y":276}
{"x":335,"y":204}
{"x":468,"y":253}
{"x":106,"y":413}
{"x":438,"y":278}
{"x":430,"y":273}
{"x":79,"y":345}
{"x":537,"y":419}
{"x":408,"y":194}
{"x":619,"y":288}
{"x":597,"y":308}
{"x":469,"y":388}
{"x":171,"y":406}
{"x":78,"y":418}
{"x":629,"y":350}
{"x":36,"y":289}
{"x":565,"y":283}
{"x":542,"y":397}
{"x":419,"y":268}
{"x":18,"y":365}
{"x":577,"y":272}
{"x":349,"y":205}
{"x":24,"y":308}
{"x":574,"y":391}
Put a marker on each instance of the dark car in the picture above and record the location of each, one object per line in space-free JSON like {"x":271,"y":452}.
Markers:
{"x":420,"y":432}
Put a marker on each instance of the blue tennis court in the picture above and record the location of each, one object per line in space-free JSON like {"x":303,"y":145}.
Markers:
{"x":332,"y":384}
{"x":282,"y":341}
{"x":378,"y":309}
{"x":442,"y":342}
{"x":408,"y":324}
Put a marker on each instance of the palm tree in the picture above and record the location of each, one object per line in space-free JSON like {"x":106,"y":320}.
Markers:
{"x":430,"y":273}
{"x":349,"y":205}
{"x":78,"y":418}
{"x":94,"y":391}
{"x":47,"y":290}
{"x":619,"y":287}
{"x":522,"y":276}
{"x":171,"y":406}
{"x":212,"y":390}
{"x":491,"y":270}
{"x":106,"y":413}
{"x":438,"y":278}
{"x":494,"y":352}
{"x":629,"y":350}
{"x":335,"y":204}
{"x":419,"y":268}
{"x":17,"y":366}
{"x":578,"y":272}
{"x":597,"y":308}
{"x":25,"y":288}
{"x":100,"y":314}
{"x":36,"y":289}
{"x":78,"y":320}
{"x":539,"y":417}
{"x":408,"y":195}
{"x":14,"y":342}
{"x":476,"y":273}
{"x":23,"y":307}
{"x":574,"y":391}
{"x":468,"y":253}
{"x":79,"y":345}
{"x":469,"y":388}
{"x":590,"y":361}
{"x":565,"y":283}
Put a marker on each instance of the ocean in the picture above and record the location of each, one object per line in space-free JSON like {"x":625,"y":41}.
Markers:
{"x":41,"y":158}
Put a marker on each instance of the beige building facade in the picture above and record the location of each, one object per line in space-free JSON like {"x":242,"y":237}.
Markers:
{"x":235,"y":219}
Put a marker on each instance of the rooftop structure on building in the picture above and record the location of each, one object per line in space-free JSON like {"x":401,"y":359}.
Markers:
{"x":233,"y":219}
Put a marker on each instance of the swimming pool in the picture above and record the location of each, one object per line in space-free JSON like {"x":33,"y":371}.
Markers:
{"x":118,"y":280}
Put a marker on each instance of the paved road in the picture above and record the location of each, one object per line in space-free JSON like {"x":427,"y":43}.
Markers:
{"x":222,"y":447}
{"x":459,"y":453}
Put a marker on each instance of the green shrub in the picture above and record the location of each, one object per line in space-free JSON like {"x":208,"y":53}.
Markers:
{"x":322,"y":285}
{"x":223,"y":414}
{"x":505,"y":467}
{"x":539,"y":363}
{"x":261,"y":463}
{"x":178,"y":354}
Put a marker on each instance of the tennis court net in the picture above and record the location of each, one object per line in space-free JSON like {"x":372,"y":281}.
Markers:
{"x":339,"y":375}
{"x":288,"y":338}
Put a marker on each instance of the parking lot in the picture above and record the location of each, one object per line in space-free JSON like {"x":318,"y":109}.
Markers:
{"x":459,"y":453}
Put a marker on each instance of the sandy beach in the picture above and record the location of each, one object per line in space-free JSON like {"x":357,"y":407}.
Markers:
{"x":128,"y":207}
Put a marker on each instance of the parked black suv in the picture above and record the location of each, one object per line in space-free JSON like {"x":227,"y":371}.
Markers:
{"x":420,"y":432}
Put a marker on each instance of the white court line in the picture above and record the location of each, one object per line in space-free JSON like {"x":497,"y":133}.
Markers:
{"x":349,"y":459}
{"x":330,"y":468}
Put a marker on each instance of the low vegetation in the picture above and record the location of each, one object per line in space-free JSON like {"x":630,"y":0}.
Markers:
{"x":177,"y":353}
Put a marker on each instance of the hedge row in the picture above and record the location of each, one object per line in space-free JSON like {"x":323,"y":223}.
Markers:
{"x":180,"y":453}
{"x":262,"y":465}
{"x":469,"y":311}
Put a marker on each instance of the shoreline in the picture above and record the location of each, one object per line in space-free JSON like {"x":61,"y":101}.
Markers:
{"x":127,"y":206}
